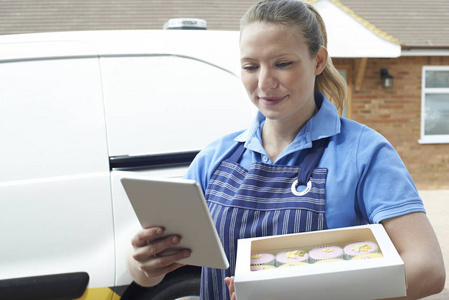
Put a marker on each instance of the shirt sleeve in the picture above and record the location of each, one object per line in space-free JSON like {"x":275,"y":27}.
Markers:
{"x":198,"y":169}
{"x":385,"y":188}
{"x":207,"y":161}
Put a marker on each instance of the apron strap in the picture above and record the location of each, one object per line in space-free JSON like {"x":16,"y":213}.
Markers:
{"x":311,"y":160}
{"x":237,"y":153}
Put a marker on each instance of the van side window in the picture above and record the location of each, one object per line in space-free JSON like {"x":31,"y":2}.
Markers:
{"x":159,"y":104}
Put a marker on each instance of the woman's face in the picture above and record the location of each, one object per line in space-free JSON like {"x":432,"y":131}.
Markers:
{"x":278,"y":71}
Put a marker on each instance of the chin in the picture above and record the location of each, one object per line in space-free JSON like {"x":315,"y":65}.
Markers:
{"x":272,"y":115}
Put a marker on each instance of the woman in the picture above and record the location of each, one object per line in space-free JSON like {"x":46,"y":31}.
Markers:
{"x":299,"y":167}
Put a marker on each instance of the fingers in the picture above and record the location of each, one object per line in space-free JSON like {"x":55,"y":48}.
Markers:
{"x":161,"y":265}
{"x":150,"y":256}
{"x":144,"y":250}
{"x":230,"y":283}
{"x":142,"y":237}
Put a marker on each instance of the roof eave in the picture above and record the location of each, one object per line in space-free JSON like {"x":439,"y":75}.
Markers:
{"x":424,"y":50}
{"x":362,"y":42}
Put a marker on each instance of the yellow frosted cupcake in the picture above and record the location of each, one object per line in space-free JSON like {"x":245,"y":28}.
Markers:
{"x":368,"y":256}
{"x":293,"y":264}
{"x":329,"y":260}
{"x":262,"y":267}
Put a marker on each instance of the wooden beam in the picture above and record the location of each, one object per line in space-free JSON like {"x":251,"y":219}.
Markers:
{"x":360,"y":67}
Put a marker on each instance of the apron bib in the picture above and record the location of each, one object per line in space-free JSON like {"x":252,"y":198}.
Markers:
{"x":263,"y":201}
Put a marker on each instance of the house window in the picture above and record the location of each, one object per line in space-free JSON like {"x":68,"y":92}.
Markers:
{"x":435,"y":105}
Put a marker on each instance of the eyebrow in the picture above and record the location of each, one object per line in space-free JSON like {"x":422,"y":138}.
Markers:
{"x":274,"y":57}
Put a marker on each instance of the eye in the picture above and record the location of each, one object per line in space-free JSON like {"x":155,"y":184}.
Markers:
{"x":284,"y":64}
{"x":249,"y":68}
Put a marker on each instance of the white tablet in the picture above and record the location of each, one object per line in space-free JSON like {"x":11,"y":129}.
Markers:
{"x":179,"y":206}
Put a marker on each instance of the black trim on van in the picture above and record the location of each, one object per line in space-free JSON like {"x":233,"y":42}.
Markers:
{"x":57,"y":286}
{"x":152,"y":161}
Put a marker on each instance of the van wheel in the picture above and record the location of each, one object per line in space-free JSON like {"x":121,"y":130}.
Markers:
{"x":181,"y":284}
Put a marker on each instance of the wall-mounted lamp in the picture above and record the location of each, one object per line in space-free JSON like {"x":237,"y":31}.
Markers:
{"x":387,"y":79}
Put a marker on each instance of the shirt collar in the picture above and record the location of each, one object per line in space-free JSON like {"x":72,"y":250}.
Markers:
{"x":325,"y":123}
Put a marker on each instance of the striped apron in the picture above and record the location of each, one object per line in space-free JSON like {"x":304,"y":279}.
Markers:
{"x":263,"y":201}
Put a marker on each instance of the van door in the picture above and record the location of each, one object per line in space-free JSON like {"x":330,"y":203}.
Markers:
{"x":55,"y":197}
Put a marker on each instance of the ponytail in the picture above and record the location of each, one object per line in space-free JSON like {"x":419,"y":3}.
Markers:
{"x":329,"y":82}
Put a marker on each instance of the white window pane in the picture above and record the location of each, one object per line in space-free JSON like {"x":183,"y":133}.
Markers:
{"x":437,"y":79}
{"x":344,"y":73}
{"x":436,"y":114}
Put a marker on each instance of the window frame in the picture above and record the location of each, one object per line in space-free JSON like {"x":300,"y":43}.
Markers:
{"x":428,"y":138}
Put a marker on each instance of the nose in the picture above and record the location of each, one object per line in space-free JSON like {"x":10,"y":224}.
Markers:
{"x":267,"y":79}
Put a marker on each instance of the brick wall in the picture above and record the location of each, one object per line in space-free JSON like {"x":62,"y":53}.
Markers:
{"x":396,"y":114}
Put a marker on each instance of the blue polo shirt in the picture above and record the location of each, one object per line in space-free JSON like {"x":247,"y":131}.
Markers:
{"x":367,"y":181}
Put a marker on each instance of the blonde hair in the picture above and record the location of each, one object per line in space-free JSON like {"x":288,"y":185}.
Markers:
{"x":303,"y":17}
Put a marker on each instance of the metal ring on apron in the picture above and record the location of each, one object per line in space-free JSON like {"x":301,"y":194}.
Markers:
{"x":295,"y":185}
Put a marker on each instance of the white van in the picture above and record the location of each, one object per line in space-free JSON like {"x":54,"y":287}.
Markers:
{"x":76,"y":110}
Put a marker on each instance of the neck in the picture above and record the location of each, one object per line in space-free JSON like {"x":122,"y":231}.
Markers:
{"x":277,"y":135}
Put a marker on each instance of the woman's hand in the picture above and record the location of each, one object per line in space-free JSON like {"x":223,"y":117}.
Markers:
{"x":230,"y":283}
{"x":146,"y":262}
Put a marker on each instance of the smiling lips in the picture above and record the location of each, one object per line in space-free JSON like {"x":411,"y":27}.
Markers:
{"x":272,"y":100}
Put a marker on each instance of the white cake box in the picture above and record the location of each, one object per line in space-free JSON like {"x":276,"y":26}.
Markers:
{"x":350,"y":279}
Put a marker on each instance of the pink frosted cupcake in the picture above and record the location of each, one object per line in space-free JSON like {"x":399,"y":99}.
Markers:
{"x":358,"y":248}
{"x":262,"y":267}
{"x":291,"y":256}
{"x":262,"y":259}
{"x":325,"y":252}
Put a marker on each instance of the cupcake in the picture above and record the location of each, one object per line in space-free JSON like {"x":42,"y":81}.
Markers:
{"x":358,"y":248}
{"x":262,"y":259}
{"x":293,"y":264}
{"x":325,"y":252}
{"x":329,"y":260}
{"x":262,"y":267}
{"x":368,"y":256}
{"x":291,"y":256}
